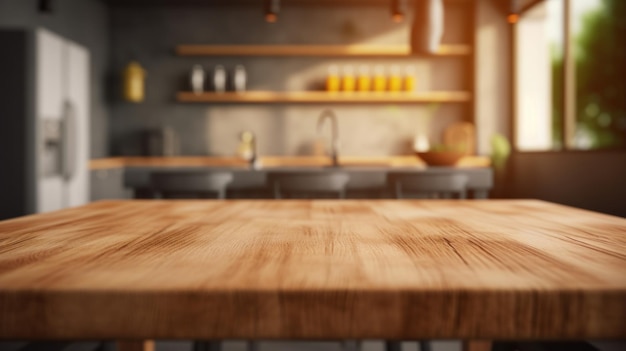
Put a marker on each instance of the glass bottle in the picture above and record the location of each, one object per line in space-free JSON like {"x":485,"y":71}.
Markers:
{"x":380,"y":83}
{"x":348,"y":82}
{"x":395,"y":79}
{"x":332,"y":80}
{"x":364,"y":82}
{"x":409,"y":79}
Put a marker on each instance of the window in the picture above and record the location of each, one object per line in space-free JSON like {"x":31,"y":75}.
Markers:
{"x":570,"y":75}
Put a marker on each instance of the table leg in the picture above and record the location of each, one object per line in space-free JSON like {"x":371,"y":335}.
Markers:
{"x":424,"y":345}
{"x":207,"y":346}
{"x":253,"y":346}
{"x":393,"y":345}
{"x":135,"y":345}
{"x":351,"y":345}
{"x":476,"y":345}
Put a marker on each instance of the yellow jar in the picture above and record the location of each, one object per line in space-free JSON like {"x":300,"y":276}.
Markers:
{"x":380,"y":82}
{"x":364,"y":82}
{"x":332,"y":80}
{"x":395,"y":80}
{"x":348,"y":82}
{"x":410,"y":82}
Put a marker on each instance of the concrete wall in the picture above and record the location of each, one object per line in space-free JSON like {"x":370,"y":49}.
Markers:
{"x":85,"y":22}
{"x":150,"y":35}
{"x":493,"y":73}
{"x":594,"y":180}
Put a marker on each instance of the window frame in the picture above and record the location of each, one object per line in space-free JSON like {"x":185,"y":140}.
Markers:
{"x":568,"y":122}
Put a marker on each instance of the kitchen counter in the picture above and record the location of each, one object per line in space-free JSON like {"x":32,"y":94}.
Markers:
{"x":273,"y":161}
{"x":118,"y":178}
{"x":366,"y":179}
{"x":368,"y":176}
{"x":240,"y":269}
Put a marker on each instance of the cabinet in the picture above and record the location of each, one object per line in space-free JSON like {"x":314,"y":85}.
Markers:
{"x":109,"y":184}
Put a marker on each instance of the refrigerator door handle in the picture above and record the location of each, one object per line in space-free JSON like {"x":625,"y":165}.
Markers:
{"x":69,"y":152}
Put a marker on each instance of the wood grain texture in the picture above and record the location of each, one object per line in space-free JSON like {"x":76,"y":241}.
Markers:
{"x":315,"y":50}
{"x":274,"y":161}
{"x":324,"y":97}
{"x":314,"y":269}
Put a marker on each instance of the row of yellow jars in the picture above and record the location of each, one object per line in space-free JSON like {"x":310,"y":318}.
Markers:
{"x":364,"y":81}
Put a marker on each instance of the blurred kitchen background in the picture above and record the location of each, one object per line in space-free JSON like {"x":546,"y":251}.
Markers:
{"x":531,"y":91}
{"x":536,"y":85}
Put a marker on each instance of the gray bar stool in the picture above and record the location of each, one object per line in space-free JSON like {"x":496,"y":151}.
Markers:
{"x":439,"y":185}
{"x":308,"y":184}
{"x":172,"y":185}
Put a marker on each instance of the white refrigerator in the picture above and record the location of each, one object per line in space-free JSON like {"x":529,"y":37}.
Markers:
{"x":44,"y":122}
{"x":62,"y":113}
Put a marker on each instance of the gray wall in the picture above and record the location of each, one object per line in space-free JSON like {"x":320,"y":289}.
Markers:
{"x":594,"y":180}
{"x":85,"y":22}
{"x":150,"y":35}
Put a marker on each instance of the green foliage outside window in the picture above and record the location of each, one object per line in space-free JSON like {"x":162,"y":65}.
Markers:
{"x":600,"y":56}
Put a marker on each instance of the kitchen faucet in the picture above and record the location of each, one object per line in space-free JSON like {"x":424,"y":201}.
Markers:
{"x":329,"y":114}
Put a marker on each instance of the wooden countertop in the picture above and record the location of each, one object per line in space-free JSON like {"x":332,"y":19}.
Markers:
{"x":315,"y":269}
{"x":272,"y":161}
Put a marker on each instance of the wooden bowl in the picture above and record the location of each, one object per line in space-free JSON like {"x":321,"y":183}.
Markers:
{"x":440,"y":158}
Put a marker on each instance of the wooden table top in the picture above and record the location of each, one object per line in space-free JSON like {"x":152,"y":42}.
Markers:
{"x":314,"y":269}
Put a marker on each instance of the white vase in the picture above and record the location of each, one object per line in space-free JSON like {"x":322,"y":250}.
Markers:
{"x":239,"y":78}
{"x":197,"y":79}
{"x":421,"y":143}
{"x":219,"y":79}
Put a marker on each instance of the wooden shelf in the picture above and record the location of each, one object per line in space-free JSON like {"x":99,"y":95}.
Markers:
{"x":326,"y":97}
{"x":315,"y":50}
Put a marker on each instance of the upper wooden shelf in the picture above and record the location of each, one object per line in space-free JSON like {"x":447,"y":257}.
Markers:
{"x":326,"y":97}
{"x":314,"y":50}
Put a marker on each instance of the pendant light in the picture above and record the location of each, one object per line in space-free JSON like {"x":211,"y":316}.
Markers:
{"x":427,"y":29}
{"x":513,"y":12}
{"x":398,"y":10}
{"x":272,"y":8}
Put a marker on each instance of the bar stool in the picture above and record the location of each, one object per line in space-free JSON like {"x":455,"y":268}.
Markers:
{"x":438,"y":185}
{"x":308,"y":184}
{"x":176,"y":185}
